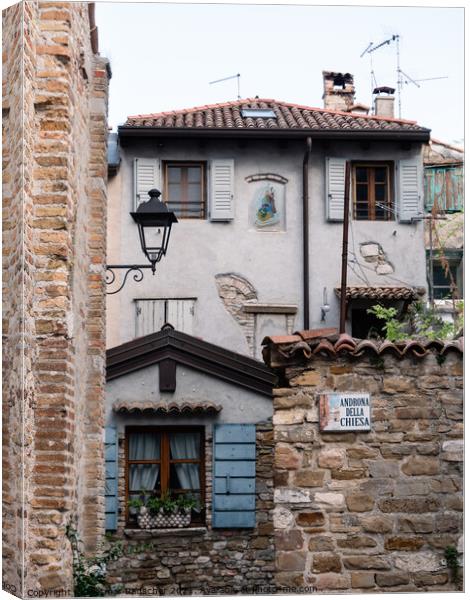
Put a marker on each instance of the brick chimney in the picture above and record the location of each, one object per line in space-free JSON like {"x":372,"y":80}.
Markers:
{"x":338,"y":90}
{"x":384,"y":104}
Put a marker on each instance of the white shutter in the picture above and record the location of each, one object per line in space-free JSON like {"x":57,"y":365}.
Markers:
{"x":221,"y":190}
{"x":180,"y":313}
{"x":409,"y":198}
{"x":335,"y":181}
{"x":150,"y":316}
{"x":146,"y":177}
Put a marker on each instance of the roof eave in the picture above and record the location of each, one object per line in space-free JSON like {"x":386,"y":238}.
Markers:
{"x":130,"y":131}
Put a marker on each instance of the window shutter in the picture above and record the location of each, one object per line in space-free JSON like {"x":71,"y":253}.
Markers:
{"x":409,"y":200}
{"x":234,"y":483}
{"x":335,"y":180}
{"x":221,"y":190}
{"x":146,"y":177}
{"x":111,"y":478}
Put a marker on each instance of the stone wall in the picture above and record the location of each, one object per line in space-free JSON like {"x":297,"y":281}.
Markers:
{"x":370,"y":511}
{"x":201,"y":560}
{"x":54,"y":149}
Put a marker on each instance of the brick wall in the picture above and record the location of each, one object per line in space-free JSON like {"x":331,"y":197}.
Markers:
{"x":370,"y":511}
{"x":55,"y":131}
{"x":202,"y":560}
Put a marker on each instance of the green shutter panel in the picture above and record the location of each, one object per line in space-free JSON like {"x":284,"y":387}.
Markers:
{"x":221,"y":190}
{"x":146,"y":177}
{"x":234,"y":483}
{"x":111,"y":478}
{"x":335,"y":184}
{"x":409,"y":198}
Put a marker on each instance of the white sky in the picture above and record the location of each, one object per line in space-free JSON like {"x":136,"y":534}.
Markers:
{"x":163,"y":55}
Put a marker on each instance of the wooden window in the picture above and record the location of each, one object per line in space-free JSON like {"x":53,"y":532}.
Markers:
{"x":162,"y":461}
{"x":372,"y":191}
{"x":153,"y":313}
{"x":185,"y":189}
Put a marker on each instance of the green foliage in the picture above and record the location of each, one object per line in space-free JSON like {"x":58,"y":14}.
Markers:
{"x":165,"y":503}
{"x":89,"y":572}
{"x":452,"y":559}
{"x":419,"y":323}
{"x":394,"y":330}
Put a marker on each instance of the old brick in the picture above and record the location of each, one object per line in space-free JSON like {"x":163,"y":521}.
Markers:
{"x":323,"y":562}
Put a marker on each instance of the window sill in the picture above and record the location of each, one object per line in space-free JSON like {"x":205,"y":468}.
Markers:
{"x":144,"y":534}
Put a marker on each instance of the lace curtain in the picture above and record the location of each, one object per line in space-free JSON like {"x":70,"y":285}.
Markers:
{"x":144,"y":446}
{"x":186,"y":445}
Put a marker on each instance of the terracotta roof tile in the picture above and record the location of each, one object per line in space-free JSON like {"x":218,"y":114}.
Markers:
{"x":391,"y":292}
{"x":296,"y":345}
{"x":227,"y":115}
{"x":185,"y":407}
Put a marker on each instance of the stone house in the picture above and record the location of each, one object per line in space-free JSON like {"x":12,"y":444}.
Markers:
{"x":55,"y":91}
{"x":257,"y":186}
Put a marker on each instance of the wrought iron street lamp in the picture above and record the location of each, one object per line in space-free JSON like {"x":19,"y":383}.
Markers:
{"x":154,"y":221}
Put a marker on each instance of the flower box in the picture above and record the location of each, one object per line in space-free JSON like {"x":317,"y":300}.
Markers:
{"x":163,"y":520}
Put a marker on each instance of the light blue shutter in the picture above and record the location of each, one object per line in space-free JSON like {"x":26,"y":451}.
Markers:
{"x":146,"y":178}
{"x":409,"y":199}
{"x":335,"y":182}
{"x":234,"y":484}
{"x":111,"y":478}
{"x":221,"y":190}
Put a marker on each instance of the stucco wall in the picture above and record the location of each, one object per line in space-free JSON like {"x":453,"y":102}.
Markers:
{"x":270,"y":261}
{"x":55,"y":106}
{"x":370,"y":511}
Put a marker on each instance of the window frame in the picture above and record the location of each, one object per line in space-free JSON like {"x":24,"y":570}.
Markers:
{"x":390,"y":211}
{"x":166,"y":164}
{"x":164,"y":432}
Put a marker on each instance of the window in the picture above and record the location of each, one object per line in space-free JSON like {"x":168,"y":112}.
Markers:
{"x":445,"y":280}
{"x":372,"y":191}
{"x":152,"y":314}
{"x":165,"y":461}
{"x":185,"y":189}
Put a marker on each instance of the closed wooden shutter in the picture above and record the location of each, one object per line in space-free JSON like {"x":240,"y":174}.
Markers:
{"x":146,"y":177}
{"x":234,"y":484}
{"x":409,"y":199}
{"x":111,"y":478}
{"x":221,"y":190}
{"x":335,"y":185}
{"x":151,"y":315}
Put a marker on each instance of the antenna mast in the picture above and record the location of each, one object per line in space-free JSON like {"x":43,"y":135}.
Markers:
{"x":237,"y":76}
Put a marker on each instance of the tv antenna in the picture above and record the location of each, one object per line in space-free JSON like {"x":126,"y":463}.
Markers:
{"x":237,"y":77}
{"x":402,"y":77}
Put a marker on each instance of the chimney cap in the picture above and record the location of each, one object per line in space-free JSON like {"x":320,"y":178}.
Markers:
{"x":384,"y":89}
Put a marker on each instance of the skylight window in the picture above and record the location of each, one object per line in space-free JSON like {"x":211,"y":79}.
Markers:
{"x":258,"y":113}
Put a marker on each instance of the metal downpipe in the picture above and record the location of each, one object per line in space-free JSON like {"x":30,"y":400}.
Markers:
{"x":305,"y":234}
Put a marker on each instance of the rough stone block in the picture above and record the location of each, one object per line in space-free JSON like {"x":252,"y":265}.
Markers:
{"x":309,"y":478}
{"x":310,"y":519}
{"x":356,"y":541}
{"x":291,"y":496}
{"x":332,"y":581}
{"x":288,"y":417}
{"x":359,"y":502}
{"x":291,"y":561}
{"x":421,"y":465}
{"x":409,"y":505}
{"x":326,"y":562}
{"x":332,"y":458}
{"x":403,"y":543}
{"x":330,"y":500}
{"x":414,"y":562}
{"x":452,"y":451}
{"x":416,"y":524}
{"x":307,"y":378}
{"x":321,"y":543}
{"x":286,"y":457}
{"x":282,"y":517}
{"x":362,"y":580}
{"x":377,"y":524}
{"x":391,"y":579}
{"x":289,"y":540}
{"x":366,"y":562}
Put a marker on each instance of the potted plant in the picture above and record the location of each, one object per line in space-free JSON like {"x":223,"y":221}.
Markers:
{"x":164,"y":511}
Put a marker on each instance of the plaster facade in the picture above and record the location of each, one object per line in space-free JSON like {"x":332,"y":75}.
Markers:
{"x":270,"y":262}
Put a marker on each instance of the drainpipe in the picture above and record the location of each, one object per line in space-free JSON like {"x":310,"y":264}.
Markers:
{"x":305,"y":234}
